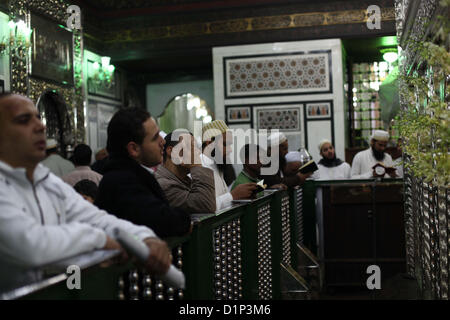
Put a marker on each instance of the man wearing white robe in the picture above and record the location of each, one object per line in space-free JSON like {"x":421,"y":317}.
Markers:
{"x":215,"y":141}
{"x":364,"y":161}
{"x":331,"y":167}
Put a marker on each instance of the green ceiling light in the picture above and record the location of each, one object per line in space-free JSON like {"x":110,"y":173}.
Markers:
{"x":96,"y":65}
{"x":388,"y":41}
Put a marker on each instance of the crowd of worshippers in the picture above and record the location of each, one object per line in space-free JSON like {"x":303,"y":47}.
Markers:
{"x":52,"y":208}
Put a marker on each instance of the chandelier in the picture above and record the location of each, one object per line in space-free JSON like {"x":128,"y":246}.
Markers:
{"x":17,"y":43}
{"x":102,"y":74}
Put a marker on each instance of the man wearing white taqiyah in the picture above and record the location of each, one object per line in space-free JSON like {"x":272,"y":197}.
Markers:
{"x":364,"y":161}
{"x":331,"y":167}
{"x":57,"y":164}
{"x":43,"y":219}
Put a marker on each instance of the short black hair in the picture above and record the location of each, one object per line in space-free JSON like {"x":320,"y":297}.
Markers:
{"x":126,"y":125}
{"x":246,"y":149}
{"x":172,"y":143}
{"x":86,"y":187}
{"x":82,"y":155}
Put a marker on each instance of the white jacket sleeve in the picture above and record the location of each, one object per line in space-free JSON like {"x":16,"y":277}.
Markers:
{"x":26,"y":242}
{"x":80,"y":210}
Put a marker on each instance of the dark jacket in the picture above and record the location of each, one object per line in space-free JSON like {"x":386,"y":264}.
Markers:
{"x":130,"y":192}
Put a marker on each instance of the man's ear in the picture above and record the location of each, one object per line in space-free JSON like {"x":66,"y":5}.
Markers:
{"x":134,"y":150}
{"x":169,"y":152}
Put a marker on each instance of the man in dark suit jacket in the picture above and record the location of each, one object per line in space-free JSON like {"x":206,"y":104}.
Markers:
{"x":128,"y":188}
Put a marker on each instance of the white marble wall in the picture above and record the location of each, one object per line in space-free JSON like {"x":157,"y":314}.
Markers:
{"x":311,"y":132}
{"x":98,"y":109}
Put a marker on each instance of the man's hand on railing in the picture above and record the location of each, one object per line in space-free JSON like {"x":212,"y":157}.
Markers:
{"x":160,"y":257}
{"x":112,"y":244}
{"x":243,"y":191}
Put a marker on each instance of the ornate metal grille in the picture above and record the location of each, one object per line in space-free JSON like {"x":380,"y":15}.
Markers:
{"x":264,"y":254}
{"x":228,"y":261}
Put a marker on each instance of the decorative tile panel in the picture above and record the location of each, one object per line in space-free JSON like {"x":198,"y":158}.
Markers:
{"x":318,"y":110}
{"x":284,"y":118}
{"x":278,"y":74}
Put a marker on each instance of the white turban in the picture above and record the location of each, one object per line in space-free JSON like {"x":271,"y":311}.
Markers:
{"x":380,"y":135}
{"x":293,"y":156}
{"x":276,"y":138}
{"x":322,"y":142}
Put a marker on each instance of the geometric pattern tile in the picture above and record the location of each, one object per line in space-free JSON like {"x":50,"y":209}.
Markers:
{"x":278,"y":74}
{"x":284,"y":118}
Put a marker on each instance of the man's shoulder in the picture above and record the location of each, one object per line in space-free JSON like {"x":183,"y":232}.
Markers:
{"x":361,"y":153}
{"x":344,"y":164}
{"x":201,"y":170}
{"x":388,"y":157}
{"x":119,"y":175}
{"x":164,"y":175}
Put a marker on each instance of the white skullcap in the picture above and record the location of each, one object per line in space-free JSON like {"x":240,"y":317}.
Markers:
{"x":322,"y":142}
{"x":276,"y":138}
{"x":380,"y":135}
{"x":293,"y":156}
{"x":51,"y":144}
{"x":162,"y":134}
{"x":214,"y":129}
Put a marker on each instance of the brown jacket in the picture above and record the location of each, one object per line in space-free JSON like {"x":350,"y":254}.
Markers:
{"x":196,"y":195}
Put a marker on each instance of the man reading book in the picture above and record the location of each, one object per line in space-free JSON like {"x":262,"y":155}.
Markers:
{"x":374,"y":162}
{"x":279,"y":140}
{"x":252,"y":170}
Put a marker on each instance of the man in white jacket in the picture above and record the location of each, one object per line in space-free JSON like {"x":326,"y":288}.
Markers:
{"x":42,"y":219}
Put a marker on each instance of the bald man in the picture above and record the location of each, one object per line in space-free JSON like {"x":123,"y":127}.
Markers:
{"x":42,"y":219}
{"x":373,"y":161}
